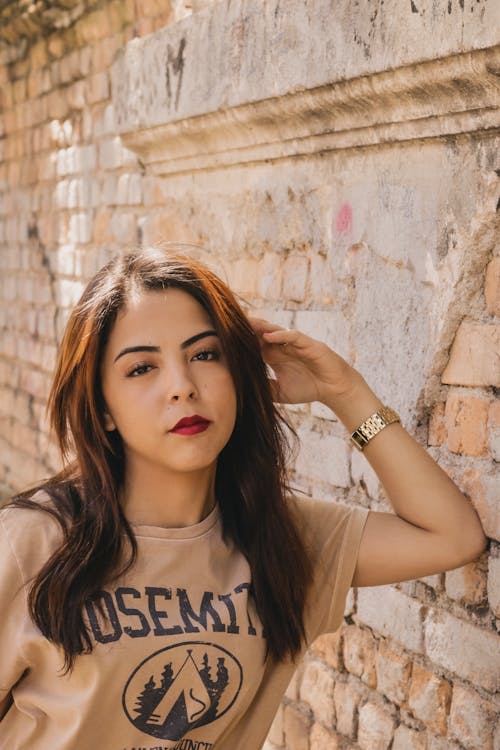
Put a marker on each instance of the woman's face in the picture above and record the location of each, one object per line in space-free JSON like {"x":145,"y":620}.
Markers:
{"x":163,"y":362}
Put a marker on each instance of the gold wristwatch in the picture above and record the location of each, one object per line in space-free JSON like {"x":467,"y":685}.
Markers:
{"x":373,"y":425}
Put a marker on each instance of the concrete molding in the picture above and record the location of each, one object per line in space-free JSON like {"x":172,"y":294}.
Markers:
{"x":181,"y":117}
{"x":442,"y":98}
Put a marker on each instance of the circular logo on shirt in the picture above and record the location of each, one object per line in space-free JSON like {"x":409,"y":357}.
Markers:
{"x":182,"y":687}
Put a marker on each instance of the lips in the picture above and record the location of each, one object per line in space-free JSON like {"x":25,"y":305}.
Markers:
{"x":191,"y":425}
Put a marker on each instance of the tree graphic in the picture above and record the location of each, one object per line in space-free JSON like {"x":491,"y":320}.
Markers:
{"x":167,"y":677}
{"x":183,"y":698}
{"x":147,"y":700}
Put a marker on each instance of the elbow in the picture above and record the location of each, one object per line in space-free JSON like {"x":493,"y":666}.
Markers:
{"x":473,"y":550}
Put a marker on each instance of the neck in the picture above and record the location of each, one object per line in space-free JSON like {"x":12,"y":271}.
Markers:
{"x":153,"y":497}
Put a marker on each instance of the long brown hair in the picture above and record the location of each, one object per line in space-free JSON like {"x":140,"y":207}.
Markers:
{"x":251,"y":483}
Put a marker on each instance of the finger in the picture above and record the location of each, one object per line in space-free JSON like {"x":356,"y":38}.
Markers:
{"x":260,"y":325}
{"x":282,"y":337}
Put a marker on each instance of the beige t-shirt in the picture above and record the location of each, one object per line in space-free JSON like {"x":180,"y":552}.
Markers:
{"x":179,"y":661}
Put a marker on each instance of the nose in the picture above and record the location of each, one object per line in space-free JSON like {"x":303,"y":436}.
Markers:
{"x":180,"y":385}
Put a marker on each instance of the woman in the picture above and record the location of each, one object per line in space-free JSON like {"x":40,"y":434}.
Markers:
{"x":159,"y":590}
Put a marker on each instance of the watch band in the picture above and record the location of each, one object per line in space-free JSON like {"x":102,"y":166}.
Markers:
{"x":372,"y":426}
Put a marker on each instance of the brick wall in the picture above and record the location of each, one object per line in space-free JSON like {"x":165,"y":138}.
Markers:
{"x":412,"y":666}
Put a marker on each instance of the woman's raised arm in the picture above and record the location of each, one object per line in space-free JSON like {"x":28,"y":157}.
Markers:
{"x":435,"y":527}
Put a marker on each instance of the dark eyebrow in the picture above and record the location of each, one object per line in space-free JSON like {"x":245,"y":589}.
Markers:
{"x":184,"y":345}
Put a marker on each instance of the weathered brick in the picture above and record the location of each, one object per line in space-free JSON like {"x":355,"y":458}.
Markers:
{"x":392,"y":614}
{"x":150,"y":7}
{"x":323,"y":457}
{"x":376,"y":728}
{"x":103,"y":121}
{"x":92,"y":27}
{"x":123,"y":227}
{"x":69,"y":292}
{"x":295,"y":273}
{"x":359,"y":651}
{"x":483,"y":493}
{"x":104,"y":51}
{"x":321,"y":286}
{"x":65,"y":260}
{"x":467,"y":584}
{"x":474,"y":356}
{"x":494,"y":585}
{"x":429,"y":699}
{"x":296,"y":727}
{"x":328,"y":647}
{"x":472,"y":719}
{"x":494,"y":429}
{"x":167,"y":226}
{"x":57,"y":105}
{"x":437,"y":426}
{"x":243,"y":275}
{"x":322,"y":739}
{"x":496,"y":737}
{"x":110,"y":153}
{"x":466,"y":420}
{"x":81,"y":159}
{"x":20,"y":90}
{"x":492,"y":287}
{"x":393,"y":673}
{"x":80,"y":228}
{"x":293,"y":688}
{"x":98,"y":87}
{"x":467,"y":650}
{"x":129,"y":189}
{"x":363,"y":474}
{"x":76,"y":94}
{"x":276,"y":732}
{"x":329,"y":326}
{"x":434,"y":581}
{"x":49,"y":358}
{"x":55,"y":46}
{"x":109,"y":190}
{"x":270,"y":277}
{"x":316,"y":689}
{"x":38,"y":54}
{"x":346,"y":700}
{"x":409,"y":739}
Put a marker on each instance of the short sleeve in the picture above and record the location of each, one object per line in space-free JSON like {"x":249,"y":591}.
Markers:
{"x":332,"y":532}
{"x":13,"y":613}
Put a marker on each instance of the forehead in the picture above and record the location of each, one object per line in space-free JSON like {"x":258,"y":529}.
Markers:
{"x":169,"y":312}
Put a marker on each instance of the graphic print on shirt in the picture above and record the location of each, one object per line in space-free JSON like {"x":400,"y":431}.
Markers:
{"x":179,"y":684}
{"x":181,"y":687}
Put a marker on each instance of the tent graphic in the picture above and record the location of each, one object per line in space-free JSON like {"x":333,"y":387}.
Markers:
{"x":187,"y":696}
{"x":180,"y":688}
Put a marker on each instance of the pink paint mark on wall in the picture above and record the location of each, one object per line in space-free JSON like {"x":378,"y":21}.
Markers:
{"x":344,"y":219}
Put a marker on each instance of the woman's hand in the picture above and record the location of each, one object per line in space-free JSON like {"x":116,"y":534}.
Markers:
{"x":306,"y":369}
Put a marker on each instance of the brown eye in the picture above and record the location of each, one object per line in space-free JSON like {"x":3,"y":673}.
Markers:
{"x":138,"y":370}
{"x":207,"y":355}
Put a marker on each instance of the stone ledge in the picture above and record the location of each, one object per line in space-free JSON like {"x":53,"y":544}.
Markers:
{"x":435,"y":99}
{"x":237,"y":84}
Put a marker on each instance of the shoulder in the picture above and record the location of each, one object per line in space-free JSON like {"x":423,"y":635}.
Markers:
{"x":40,"y":505}
{"x":31,"y":533}
{"x":312,"y":511}
{"x":324,"y":521}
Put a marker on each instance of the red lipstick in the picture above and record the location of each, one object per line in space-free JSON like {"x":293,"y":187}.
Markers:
{"x":191,"y":425}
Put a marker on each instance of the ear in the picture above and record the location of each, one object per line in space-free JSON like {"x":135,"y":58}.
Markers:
{"x":109,"y":424}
